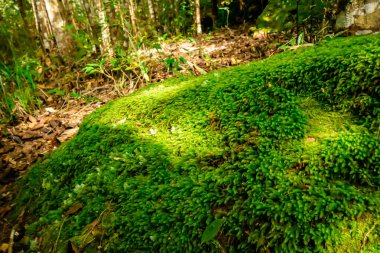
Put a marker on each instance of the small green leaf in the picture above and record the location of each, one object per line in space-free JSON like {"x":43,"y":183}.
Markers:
{"x":68,"y":27}
{"x":58,"y":92}
{"x":75,"y":95}
{"x":212,"y":230}
{"x":183,"y":60}
{"x":157,"y":46}
{"x":300,"y":38}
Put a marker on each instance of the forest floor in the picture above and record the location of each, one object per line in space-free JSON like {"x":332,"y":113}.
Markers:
{"x":58,"y":120}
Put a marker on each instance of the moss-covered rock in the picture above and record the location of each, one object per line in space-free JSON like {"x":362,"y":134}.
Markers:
{"x":278,"y":155}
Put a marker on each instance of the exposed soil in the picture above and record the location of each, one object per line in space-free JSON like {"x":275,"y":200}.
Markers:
{"x":23,"y":144}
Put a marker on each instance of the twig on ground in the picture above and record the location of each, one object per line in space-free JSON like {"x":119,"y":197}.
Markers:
{"x":366,"y":237}
{"x":95,"y":89}
{"x":11,"y":240}
{"x":59,"y":234}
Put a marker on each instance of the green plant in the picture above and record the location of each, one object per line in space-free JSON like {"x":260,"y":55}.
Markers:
{"x":131,"y":69}
{"x":18,"y":89}
{"x":299,"y":40}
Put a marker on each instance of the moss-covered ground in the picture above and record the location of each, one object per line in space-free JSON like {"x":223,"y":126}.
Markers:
{"x":280,"y":155}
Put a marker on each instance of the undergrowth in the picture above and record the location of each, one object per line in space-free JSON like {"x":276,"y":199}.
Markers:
{"x":18,"y":88}
{"x":280,"y":155}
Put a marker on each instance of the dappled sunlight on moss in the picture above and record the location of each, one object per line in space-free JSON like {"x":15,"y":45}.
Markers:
{"x":359,"y":235}
{"x":325,"y":123}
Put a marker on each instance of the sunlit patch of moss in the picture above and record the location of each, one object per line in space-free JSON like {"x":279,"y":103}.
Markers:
{"x":359,"y":235}
{"x":324,"y":122}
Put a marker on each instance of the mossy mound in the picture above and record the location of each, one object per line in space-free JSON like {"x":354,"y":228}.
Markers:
{"x":280,"y":155}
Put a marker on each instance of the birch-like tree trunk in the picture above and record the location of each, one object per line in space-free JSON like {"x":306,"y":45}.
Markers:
{"x":198,"y":16}
{"x":105,"y":45}
{"x":58,"y":24}
{"x":152,"y":14}
{"x":42,"y":24}
{"x":50,"y":24}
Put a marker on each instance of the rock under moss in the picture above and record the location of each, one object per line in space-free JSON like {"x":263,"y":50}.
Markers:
{"x":278,"y":155}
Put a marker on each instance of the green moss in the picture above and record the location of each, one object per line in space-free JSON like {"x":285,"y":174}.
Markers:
{"x":280,"y":149}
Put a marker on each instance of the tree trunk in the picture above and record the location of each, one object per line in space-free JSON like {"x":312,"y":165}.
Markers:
{"x":151,"y":11}
{"x":133,"y":16}
{"x":69,"y":13}
{"x":125,"y":31}
{"x":42,"y":24}
{"x":22,"y":8}
{"x":198,"y":17}
{"x":92,"y":25}
{"x":58,"y":24}
{"x":112,"y":21}
{"x":105,"y":47}
{"x":214,"y":11}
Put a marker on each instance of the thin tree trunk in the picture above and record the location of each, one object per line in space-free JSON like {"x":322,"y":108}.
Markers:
{"x":198,"y":17}
{"x":214,"y":11}
{"x":35,"y":15}
{"x":105,"y":48}
{"x":112,"y":22}
{"x":122,"y":19}
{"x":92,"y":25}
{"x":151,"y":11}
{"x":133,"y":16}
{"x":21,"y":5}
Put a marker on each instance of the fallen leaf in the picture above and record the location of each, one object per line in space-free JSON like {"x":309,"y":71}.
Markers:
{"x":71,"y":248}
{"x":49,"y":137}
{"x":28,"y":148}
{"x":98,"y":232}
{"x":71,"y":124}
{"x":4,"y":210}
{"x":74,"y":209}
{"x":32,"y":119}
{"x":30,"y":135}
{"x":37,"y":126}
{"x":120,"y":122}
{"x":10,"y":160}
{"x":6,"y":149}
{"x":68,"y":134}
{"x":54,"y":123}
{"x":4,"y":247}
{"x":50,"y":109}
{"x":47,"y":130}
